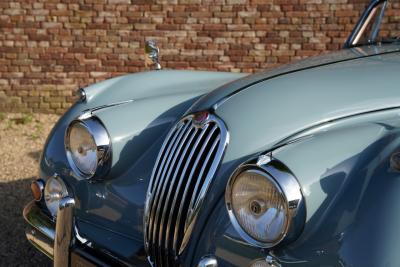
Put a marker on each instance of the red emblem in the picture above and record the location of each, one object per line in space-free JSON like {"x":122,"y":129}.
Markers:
{"x":200,"y":117}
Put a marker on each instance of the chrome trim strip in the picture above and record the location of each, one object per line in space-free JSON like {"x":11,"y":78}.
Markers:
{"x":88,"y":113}
{"x":64,"y":232}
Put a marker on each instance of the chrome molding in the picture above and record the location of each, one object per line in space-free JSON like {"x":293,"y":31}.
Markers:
{"x":41,"y":229}
{"x":208,"y":261}
{"x":289,"y":188}
{"x":185,"y":167}
{"x":151,"y":50}
{"x":63,"y":237}
{"x":88,"y":113}
{"x":272,"y":261}
{"x":362,"y":23}
{"x":103,"y":142}
{"x":81,"y":94}
{"x":40,"y":241}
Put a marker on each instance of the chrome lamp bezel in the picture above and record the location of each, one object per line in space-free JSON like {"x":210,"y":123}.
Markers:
{"x":289,"y":188}
{"x":65,"y":193}
{"x":103,"y":143}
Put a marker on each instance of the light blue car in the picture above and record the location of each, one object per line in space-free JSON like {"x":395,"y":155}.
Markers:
{"x":296,"y":166}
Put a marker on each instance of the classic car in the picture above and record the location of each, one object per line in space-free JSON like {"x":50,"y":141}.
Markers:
{"x":295,"y":166}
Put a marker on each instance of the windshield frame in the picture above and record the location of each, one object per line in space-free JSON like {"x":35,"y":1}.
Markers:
{"x":354,"y":39}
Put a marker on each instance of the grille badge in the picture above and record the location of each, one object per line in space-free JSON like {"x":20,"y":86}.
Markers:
{"x":201,"y":118}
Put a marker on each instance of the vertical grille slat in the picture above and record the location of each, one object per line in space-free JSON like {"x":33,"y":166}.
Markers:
{"x":163,"y":184}
{"x":183,"y":171}
{"x":167,"y":141}
{"x":173,"y":184}
{"x":197,"y":186}
{"x":159,"y":179}
{"x":181,"y":187}
{"x":190,"y":178}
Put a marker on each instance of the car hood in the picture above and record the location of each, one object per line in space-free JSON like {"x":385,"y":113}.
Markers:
{"x":146,"y":85}
{"x":266,"y":109}
{"x":221,"y":94}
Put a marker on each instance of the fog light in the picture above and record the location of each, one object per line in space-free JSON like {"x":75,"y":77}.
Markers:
{"x":37,"y":189}
{"x":54,"y":191}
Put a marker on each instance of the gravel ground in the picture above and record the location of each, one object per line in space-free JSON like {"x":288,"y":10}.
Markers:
{"x":21,"y":140}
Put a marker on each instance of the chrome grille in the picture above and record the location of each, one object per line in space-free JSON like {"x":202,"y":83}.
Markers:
{"x":185,"y":166}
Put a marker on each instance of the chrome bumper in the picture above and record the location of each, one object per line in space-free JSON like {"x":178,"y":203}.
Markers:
{"x":41,"y":229}
{"x":51,"y":238}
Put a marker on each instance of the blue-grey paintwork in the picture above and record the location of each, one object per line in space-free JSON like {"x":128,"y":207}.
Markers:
{"x":351,"y":196}
{"x":332,"y":100}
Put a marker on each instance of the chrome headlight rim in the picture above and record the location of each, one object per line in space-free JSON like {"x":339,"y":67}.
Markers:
{"x":289,"y":188}
{"x":102,"y":140}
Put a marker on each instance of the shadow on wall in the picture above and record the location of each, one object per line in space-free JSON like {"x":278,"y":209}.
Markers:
{"x":15,"y":250}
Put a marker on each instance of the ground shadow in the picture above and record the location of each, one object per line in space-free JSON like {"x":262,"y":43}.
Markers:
{"x":15,"y":250}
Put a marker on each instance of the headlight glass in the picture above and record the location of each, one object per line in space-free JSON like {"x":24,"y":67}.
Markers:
{"x":259,"y":207}
{"x":83,"y":148}
{"x":88,"y":148}
{"x":54,"y":191}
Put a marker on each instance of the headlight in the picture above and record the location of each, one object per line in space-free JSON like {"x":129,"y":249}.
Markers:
{"x":87,"y":146}
{"x":54,"y":191}
{"x":263,"y":203}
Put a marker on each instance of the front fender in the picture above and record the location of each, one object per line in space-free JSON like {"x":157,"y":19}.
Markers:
{"x":351,"y":193}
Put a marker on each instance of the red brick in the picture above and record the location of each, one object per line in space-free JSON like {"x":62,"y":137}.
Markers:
{"x":50,"y":48}
{"x":214,"y":27}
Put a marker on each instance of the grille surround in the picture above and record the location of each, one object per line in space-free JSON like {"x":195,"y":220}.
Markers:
{"x":185,"y":167}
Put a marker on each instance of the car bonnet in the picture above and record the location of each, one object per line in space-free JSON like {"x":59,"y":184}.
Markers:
{"x":263,"y":110}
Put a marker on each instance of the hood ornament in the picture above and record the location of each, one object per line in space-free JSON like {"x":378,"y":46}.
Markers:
{"x":151,"y":50}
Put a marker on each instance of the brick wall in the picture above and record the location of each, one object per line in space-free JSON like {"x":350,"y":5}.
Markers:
{"x":49,"y":48}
